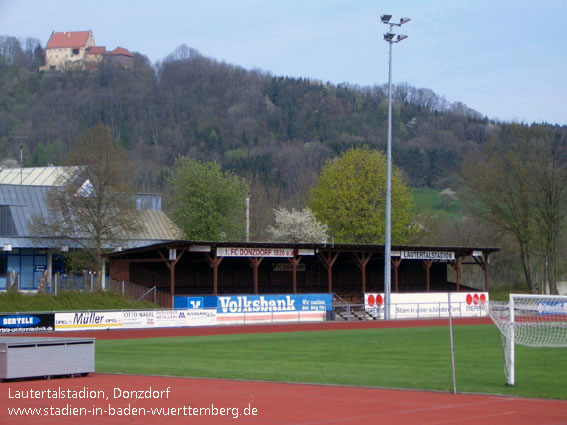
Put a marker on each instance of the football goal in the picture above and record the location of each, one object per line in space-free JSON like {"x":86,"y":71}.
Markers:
{"x":530,"y":320}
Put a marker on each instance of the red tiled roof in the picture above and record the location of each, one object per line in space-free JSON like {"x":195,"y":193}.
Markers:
{"x":121,"y":51}
{"x":94,"y":50}
{"x":73,"y":39}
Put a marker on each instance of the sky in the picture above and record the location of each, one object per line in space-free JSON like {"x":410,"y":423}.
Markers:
{"x":507,"y":59}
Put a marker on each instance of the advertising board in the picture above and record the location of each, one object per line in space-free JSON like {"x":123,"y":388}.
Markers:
{"x":134,"y":319}
{"x":88,"y":320}
{"x":22,"y":322}
{"x":273,"y":308}
{"x":180,"y":318}
{"x":138,"y":319}
{"x":427,"y":305}
{"x":546,"y":308}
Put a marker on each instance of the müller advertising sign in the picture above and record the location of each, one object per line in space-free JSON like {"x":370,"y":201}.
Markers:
{"x":254,"y":252}
{"x":88,"y":320}
{"x":27,"y":322}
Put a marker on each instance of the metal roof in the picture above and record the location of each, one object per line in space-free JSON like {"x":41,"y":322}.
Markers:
{"x":25,"y":202}
{"x":37,"y":176}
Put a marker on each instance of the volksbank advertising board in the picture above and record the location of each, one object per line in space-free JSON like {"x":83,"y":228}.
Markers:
{"x":552,"y":308}
{"x":274,"y":303}
{"x":262,"y":308}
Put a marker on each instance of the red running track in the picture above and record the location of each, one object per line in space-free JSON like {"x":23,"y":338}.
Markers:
{"x":275,"y":403}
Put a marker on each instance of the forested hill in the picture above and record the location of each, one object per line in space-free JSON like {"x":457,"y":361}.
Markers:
{"x":277,"y":131}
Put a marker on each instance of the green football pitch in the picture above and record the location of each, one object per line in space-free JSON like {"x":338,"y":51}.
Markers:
{"x":413,"y":358}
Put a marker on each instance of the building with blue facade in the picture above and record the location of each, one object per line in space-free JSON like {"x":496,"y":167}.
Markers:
{"x":24,"y":255}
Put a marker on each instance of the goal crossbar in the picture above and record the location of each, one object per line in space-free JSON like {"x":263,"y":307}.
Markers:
{"x":530,"y":320}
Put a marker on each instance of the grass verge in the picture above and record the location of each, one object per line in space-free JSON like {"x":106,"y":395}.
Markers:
{"x":68,"y":300}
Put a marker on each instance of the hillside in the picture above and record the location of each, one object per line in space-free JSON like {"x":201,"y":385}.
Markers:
{"x":276,"y":131}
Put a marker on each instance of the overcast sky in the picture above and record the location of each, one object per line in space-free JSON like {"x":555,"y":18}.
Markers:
{"x":506,"y":59}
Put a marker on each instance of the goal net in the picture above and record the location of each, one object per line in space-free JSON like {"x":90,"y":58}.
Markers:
{"x":530,"y":320}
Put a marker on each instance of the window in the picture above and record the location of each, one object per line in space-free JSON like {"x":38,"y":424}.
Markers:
{"x":7,"y":226}
{"x":75,"y":51}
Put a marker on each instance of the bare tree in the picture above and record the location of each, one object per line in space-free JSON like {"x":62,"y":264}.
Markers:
{"x":549,"y":180}
{"x":518,"y":183}
{"x":96,"y":209}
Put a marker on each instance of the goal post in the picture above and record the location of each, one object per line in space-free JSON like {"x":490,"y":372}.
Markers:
{"x":530,"y":320}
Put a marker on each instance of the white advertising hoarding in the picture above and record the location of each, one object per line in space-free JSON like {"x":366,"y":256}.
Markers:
{"x":139,"y":319}
{"x":88,"y":320}
{"x":428,"y":304}
{"x":184,"y":318}
{"x":134,"y":319}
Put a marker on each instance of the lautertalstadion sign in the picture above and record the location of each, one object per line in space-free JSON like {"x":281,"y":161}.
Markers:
{"x":424,"y":255}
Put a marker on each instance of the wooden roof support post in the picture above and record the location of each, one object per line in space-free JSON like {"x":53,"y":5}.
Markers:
{"x":483,"y":263}
{"x":485,"y":268}
{"x":362,"y":261}
{"x":396,"y":262}
{"x":294,"y":261}
{"x":427,"y":264}
{"x":329,"y":260}
{"x":170,"y":263}
{"x":456,"y":264}
{"x":458,"y":261}
{"x":214,"y":262}
{"x":255,"y":262}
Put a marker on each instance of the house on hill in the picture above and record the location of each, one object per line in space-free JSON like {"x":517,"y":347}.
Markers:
{"x":27,"y":255}
{"x":77,"y":50}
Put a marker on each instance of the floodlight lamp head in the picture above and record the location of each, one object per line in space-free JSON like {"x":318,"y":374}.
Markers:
{"x":386,"y":18}
{"x":389,"y":36}
{"x":404,"y":20}
{"x":401,"y":37}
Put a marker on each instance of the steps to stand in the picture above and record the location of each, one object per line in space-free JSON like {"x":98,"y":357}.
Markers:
{"x":350,"y":307}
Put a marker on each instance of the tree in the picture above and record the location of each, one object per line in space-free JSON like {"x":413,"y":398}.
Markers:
{"x":95,"y":209}
{"x":297,"y":226}
{"x":550,"y":178}
{"x":517,"y":181}
{"x":350,"y":198}
{"x":208,"y":204}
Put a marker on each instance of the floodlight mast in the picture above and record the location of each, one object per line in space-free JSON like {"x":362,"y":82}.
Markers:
{"x":390,"y":38}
